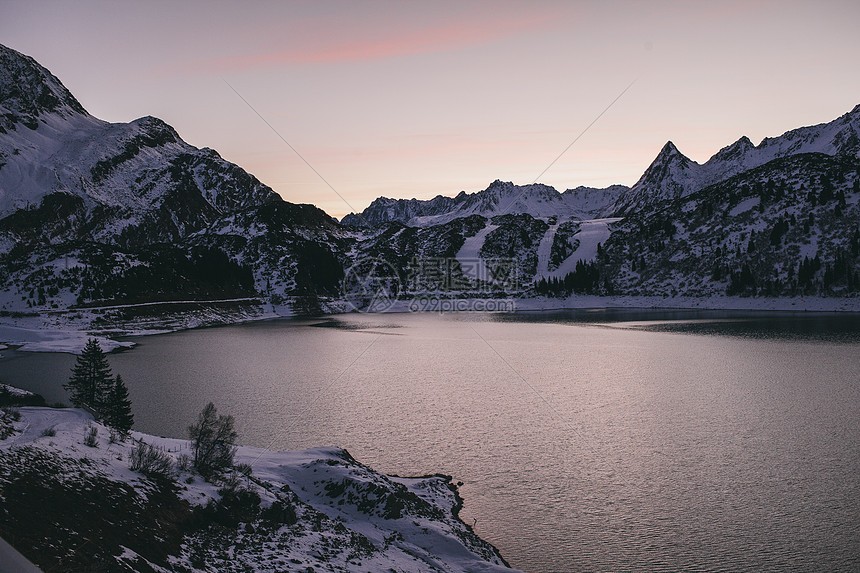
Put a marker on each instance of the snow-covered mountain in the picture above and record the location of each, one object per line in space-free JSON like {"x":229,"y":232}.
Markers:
{"x":500,"y":198}
{"x":788,"y":227}
{"x":748,"y":221}
{"x":673,"y":175}
{"x":97,"y":211}
{"x":137,"y":177}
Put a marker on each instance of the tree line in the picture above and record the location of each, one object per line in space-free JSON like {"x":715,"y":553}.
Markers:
{"x":584,"y":279}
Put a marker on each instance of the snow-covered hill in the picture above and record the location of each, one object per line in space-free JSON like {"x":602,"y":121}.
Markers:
{"x":74,"y":506}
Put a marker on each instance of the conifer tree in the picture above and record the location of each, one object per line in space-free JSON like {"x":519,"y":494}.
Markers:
{"x":91,"y":381}
{"x":118,"y":411}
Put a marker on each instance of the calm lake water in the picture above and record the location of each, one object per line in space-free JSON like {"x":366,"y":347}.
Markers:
{"x":587,"y":441}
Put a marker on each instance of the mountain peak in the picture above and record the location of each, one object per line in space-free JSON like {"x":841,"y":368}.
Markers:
{"x":670,"y":151}
{"x":669,"y":154}
{"x":27,"y":90}
{"x":734,"y":151}
{"x":665,"y":178}
{"x":499,"y":184}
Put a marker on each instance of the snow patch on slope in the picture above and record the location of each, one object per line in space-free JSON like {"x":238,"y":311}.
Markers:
{"x":591,"y":233}
{"x":545,"y":249}
{"x":39,"y":340}
{"x":469,"y":256}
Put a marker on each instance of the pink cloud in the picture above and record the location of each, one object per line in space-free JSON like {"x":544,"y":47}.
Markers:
{"x":387,"y":44}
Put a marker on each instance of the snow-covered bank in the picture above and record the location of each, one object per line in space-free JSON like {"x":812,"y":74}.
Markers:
{"x":12,"y":391}
{"x":68,"y":330}
{"x":35,"y":339}
{"x":311,"y":510}
{"x":800,"y":304}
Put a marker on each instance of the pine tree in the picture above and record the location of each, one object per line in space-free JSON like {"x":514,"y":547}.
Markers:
{"x":118,"y":411}
{"x":91,"y":381}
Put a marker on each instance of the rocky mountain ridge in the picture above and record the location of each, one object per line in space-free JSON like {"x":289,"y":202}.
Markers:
{"x":499,"y":198}
{"x":672,"y":175}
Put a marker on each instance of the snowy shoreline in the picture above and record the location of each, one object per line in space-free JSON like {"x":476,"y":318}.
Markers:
{"x":796,"y":304}
{"x":68,"y":331}
{"x":345,"y":514}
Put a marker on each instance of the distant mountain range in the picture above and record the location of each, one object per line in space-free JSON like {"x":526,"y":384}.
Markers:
{"x":500,"y":198}
{"x":670,"y":176}
{"x":94,"y":214}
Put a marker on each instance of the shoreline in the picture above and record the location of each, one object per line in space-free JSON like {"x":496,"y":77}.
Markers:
{"x":409,"y":523}
{"x":67,"y":331}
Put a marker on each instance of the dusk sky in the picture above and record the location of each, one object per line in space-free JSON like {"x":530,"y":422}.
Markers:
{"x":414,"y":99}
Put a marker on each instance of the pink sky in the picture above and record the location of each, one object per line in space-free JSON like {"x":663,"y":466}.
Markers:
{"x":415,"y":99}
{"x":391,"y":41}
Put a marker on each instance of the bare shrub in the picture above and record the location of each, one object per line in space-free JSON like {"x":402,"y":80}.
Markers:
{"x":10,"y":414}
{"x":7,"y":417}
{"x":92,"y":437}
{"x":231,"y":480}
{"x":212,"y":440}
{"x":184,"y":463}
{"x":149,"y":460}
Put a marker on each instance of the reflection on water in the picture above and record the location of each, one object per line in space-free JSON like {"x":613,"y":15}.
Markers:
{"x":836,"y":329}
{"x":587,"y":440}
{"x":770,"y":325}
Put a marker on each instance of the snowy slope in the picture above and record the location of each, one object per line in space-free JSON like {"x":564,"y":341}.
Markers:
{"x":84,"y":203}
{"x":591,"y":233}
{"x":469,"y":255}
{"x":544,"y":249}
{"x":345,"y":516}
